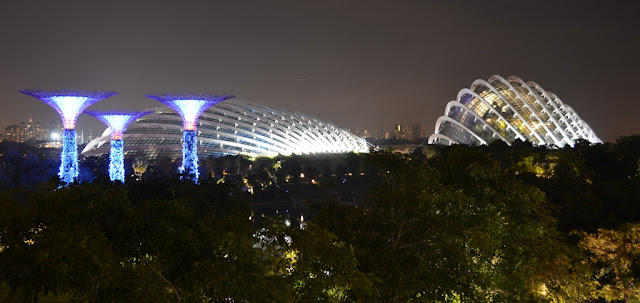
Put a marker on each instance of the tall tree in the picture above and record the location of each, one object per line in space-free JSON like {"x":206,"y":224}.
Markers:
{"x":615,"y":256}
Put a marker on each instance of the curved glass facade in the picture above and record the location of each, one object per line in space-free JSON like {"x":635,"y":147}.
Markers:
{"x":233,"y":127}
{"x":509,"y":109}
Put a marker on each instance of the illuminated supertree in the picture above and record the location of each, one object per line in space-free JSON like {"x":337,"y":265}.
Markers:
{"x":117,"y":122}
{"x":190,"y":107}
{"x":69,"y":104}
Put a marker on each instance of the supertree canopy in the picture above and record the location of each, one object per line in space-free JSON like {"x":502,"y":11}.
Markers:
{"x":69,"y":104}
{"x":190,"y":107}
{"x":117,"y":122}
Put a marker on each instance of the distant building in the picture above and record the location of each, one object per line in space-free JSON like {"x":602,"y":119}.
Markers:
{"x":16,"y":133}
{"x":33,"y":132}
{"x":399,"y":131}
{"x":411,"y":132}
{"x":362,"y":132}
{"x":415,"y":132}
{"x":24,"y":132}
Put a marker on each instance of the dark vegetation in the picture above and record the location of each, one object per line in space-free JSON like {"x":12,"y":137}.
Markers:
{"x":443,"y":224}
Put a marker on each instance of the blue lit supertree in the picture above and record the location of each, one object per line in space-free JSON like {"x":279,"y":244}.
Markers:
{"x":69,"y":104}
{"x":117,"y":122}
{"x":190,"y":107}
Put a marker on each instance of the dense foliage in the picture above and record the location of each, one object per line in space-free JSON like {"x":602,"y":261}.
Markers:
{"x":444,"y":224}
{"x":158,"y":241}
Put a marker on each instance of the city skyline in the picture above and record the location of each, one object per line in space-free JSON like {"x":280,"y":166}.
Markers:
{"x":360,"y":65}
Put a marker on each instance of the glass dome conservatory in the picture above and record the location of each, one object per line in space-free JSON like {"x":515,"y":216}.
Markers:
{"x":508,"y":110}
{"x":230,"y":128}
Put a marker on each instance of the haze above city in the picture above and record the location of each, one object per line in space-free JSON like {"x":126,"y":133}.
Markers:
{"x":359,"y":64}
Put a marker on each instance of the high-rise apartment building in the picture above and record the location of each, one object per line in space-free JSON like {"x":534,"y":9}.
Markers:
{"x":399,"y":131}
{"x":28,"y":132}
{"x":16,"y":133}
{"x":33,"y":131}
{"x":415,"y":132}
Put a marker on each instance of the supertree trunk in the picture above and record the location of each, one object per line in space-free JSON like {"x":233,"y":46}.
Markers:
{"x":189,"y":167}
{"x":116,"y":160}
{"x":69,"y":158}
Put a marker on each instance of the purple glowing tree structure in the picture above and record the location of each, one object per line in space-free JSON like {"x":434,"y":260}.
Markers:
{"x":117,"y":122}
{"x":69,"y":104}
{"x":190,"y":107}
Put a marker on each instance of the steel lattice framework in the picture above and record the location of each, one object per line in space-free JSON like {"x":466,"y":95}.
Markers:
{"x":69,"y":104}
{"x":235,"y":127}
{"x":508,"y":110}
{"x":189,"y":107}
{"x":117,"y":122}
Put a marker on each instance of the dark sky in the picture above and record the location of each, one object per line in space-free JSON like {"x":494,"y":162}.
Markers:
{"x":359,"y":64}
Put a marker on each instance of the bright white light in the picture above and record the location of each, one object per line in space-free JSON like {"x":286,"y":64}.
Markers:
{"x":69,"y":107}
{"x":55,"y":136}
{"x":190,"y":110}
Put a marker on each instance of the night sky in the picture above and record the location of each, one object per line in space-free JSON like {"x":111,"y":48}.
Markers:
{"x":360,"y":64}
